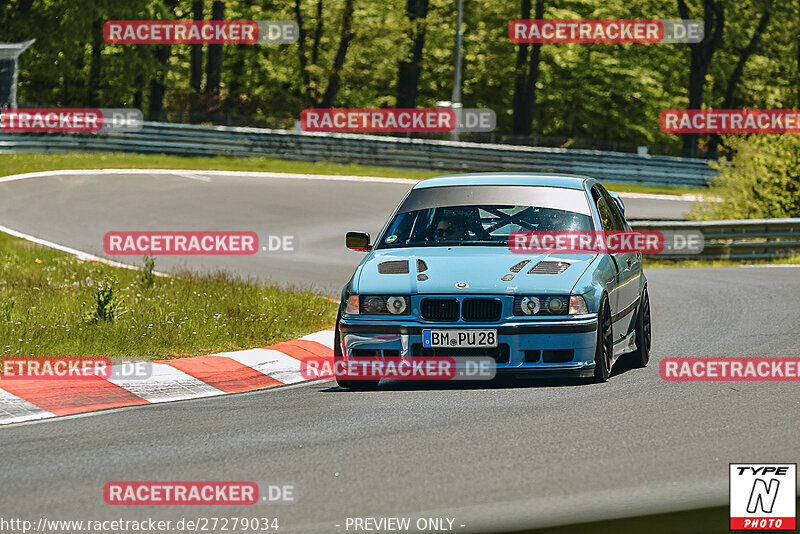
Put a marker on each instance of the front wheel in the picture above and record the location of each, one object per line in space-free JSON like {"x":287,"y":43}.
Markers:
{"x":641,"y":355}
{"x":604,"y":351}
{"x":338,"y":356}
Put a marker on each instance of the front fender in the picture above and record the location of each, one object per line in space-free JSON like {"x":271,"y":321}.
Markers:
{"x":597,"y":279}
{"x":352,"y":285}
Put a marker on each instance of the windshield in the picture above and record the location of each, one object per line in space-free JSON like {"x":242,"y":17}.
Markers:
{"x":488,"y":225}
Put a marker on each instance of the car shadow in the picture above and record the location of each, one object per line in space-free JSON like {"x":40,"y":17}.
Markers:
{"x":621,"y":367}
{"x":467,"y":385}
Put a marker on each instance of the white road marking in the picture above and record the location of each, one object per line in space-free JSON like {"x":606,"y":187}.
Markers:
{"x":165,"y":384}
{"x":134,"y":407}
{"x":203,"y":175}
{"x":324,"y":337}
{"x":168,"y":384}
{"x":199,"y":175}
{"x":172,"y":172}
{"x":328,"y":177}
{"x":192,"y":176}
{"x":770,"y":265}
{"x":85,"y":256}
{"x":273,"y":363}
{"x":686,"y":197}
{"x":77,"y":253}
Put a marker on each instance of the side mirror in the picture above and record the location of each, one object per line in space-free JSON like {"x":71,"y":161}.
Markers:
{"x":358,"y":241}
{"x":618,"y":200}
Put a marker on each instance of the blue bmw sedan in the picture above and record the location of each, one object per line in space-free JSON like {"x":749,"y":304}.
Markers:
{"x":441,"y":280}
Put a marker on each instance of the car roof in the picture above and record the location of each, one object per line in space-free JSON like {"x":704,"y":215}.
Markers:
{"x":506,"y":178}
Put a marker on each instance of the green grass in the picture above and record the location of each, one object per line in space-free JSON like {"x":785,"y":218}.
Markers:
{"x":651,"y":262}
{"x":18,"y":163}
{"x":653,"y":189}
{"x":47,"y":298}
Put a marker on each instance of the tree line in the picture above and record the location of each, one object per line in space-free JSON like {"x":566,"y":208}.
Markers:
{"x":399,"y":53}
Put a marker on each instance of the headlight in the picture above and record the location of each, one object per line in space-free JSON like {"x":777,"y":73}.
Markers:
{"x":541,"y":305}
{"x":379,"y":305}
{"x":529,"y":305}
{"x":556,"y":305}
{"x":577,"y":305}
{"x":397,"y":305}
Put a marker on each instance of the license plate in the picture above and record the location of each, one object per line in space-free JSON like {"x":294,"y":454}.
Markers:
{"x":458,"y":339}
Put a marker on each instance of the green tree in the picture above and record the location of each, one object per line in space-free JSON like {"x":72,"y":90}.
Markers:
{"x":762,"y":180}
{"x":352,"y":53}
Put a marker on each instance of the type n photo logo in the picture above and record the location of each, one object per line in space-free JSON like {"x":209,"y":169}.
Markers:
{"x":763,"y":496}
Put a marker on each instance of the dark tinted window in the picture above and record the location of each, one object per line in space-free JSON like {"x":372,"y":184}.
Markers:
{"x":606,"y":219}
{"x":476,"y":225}
{"x":559,"y":198}
{"x":617,"y":219}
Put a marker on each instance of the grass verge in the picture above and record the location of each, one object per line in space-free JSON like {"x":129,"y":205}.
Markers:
{"x":18,"y":163}
{"x":656,"y":263}
{"x":52,"y":304}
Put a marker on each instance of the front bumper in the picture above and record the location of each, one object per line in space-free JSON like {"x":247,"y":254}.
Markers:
{"x":564,"y":347}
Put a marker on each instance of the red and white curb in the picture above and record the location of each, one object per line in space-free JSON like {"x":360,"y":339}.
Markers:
{"x":171,"y":380}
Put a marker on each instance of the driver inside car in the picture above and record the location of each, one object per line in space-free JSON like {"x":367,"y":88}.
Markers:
{"x":451,"y":228}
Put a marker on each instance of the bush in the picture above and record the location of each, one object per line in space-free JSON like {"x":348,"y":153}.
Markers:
{"x":761,"y":181}
{"x":148,"y":277}
{"x":106,"y":302}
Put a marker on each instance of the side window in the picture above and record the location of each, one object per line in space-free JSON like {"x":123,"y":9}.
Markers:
{"x":616,"y":216}
{"x":602,"y":208}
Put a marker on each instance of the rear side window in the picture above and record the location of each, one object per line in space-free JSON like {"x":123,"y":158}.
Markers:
{"x":618,"y":220}
{"x":602,"y":208}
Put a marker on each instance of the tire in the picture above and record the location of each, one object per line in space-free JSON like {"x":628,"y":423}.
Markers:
{"x":604,"y":351}
{"x":355,"y":385}
{"x":644,"y":335}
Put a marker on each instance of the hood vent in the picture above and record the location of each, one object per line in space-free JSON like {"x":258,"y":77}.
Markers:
{"x":421,"y":266}
{"x":393,"y":267}
{"x":549,"y":267}
{"x":518,"y":267}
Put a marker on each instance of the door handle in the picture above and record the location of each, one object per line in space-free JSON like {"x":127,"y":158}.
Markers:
{"x":629,"y":262}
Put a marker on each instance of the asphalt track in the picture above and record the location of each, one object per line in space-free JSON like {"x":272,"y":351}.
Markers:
{"x":77,"y":211}
{"x":491,"y":456}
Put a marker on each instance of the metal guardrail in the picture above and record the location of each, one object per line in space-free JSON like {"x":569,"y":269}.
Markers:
{"x":735,"y":239}
{"x":381,"y":151}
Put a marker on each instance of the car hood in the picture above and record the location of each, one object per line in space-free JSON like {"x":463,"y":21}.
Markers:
{"x":481,"y":267}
